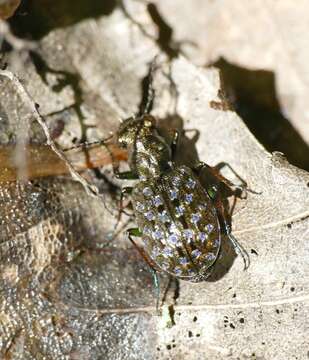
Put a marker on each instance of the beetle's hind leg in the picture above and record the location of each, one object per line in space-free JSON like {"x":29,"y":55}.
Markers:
{"x":228,"y":232}
{"x":214,"y":193}
{"x":124,"y":191}
{"x":240,"y":250}
{"x":156,"y":282}
{"x":126,"y":175}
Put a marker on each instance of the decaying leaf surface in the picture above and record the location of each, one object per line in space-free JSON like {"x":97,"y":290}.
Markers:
{"x":68,"y":292}
{"x":259,"y":47}
{"x":254,"y":35}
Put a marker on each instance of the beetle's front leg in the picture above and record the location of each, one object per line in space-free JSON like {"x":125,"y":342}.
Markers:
{"x":136,"y":232}
{"x":237,"y":189}
{"x":242,"y":187}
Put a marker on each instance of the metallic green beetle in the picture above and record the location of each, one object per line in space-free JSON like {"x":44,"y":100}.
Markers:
{"x":179,"y":220}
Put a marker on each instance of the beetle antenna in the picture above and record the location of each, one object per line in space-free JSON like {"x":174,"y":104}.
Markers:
{"x":86,"y":144}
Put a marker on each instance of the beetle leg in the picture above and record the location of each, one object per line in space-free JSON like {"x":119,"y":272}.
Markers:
{"x":156,"y":282}
{"x":243,"y":187}
{"x":199,"y":166}
{"x":124,"y":191}
{"x":214,"y":193}
{"x":215,"y":173}
{"x":223,"y":217}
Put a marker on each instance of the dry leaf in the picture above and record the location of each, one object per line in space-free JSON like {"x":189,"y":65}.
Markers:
{"x":68,"y":292}
{"x":269,"y":35}
{"x":7,"y":8}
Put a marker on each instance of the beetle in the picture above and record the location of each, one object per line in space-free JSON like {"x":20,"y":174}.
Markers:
{"x":180,"y":221}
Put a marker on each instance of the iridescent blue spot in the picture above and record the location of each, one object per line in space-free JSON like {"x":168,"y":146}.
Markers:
{"x":173,"y":193}
{"x":196,"y":253}
{"x":157,"y":234}
{"x":157,"y":201}
{"x":202,"y":236}
{"x":177,"y":271}
{"x":139,"y":207}
{"x":188,"y":234}
{"x":150,"y":215}
{"x":163,"y":217}
{"x":173,"y":228}
{"x":195,"y":218}
{"x":180,"y":210}
{"x":165,"y":266}
{"x":210,"y":257}
{"x":216,"y":242}
{"x":188,"y":198}
{"x":147,"y":191}
{"x":209,"y":228}
{"x":147,"y":242}
{"x":191,"y":272}
{"x":191,"y":183}
{"x":173,"y":239}
{"x":155,"y":252}
{"x":167,"y":252}
{"x":183,"y":261}
{"x":147,"y":230}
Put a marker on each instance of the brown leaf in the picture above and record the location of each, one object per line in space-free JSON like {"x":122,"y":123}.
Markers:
{"x":7,"y":8}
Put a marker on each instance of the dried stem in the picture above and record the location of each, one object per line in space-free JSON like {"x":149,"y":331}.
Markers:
{"x":91,"y":189}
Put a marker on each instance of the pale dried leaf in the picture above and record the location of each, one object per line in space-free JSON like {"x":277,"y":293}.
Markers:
{"x":268,"y":35}
{"x":68,"y":293}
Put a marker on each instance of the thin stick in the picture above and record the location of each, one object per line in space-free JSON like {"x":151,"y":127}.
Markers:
{"x":91,"y":189}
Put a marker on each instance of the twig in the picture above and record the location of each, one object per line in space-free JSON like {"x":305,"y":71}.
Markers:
{"x":91,"y":189}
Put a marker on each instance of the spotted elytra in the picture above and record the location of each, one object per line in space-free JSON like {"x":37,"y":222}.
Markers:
{"x":180,"y":221}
